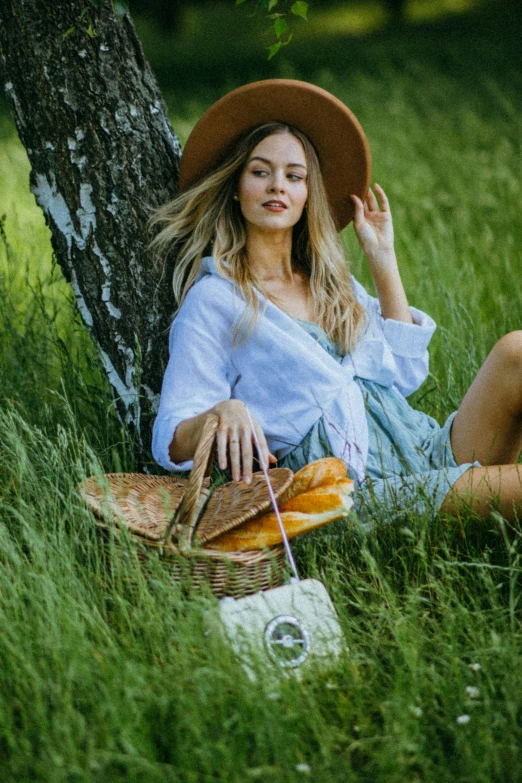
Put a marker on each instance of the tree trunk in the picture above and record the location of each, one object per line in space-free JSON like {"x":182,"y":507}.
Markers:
{"x":89,"y":112}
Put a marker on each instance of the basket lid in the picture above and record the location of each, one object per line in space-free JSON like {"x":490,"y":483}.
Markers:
{"x":233,"y":503}
{"x":143,"y":504}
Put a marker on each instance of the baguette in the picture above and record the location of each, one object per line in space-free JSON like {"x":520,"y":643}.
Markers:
{"x":315,"y":474}
{"x":300,"y":514}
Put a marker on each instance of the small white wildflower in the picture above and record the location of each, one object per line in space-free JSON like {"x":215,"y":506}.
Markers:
{"x":475,"y":667}
{"x":258,"y":772}
{"x":416,"y":711}
{"x":356,"y":728}
{"x":273,"y":696}
{"x":463,"y":719}
{"x":472,"y":692}
{"x":331,"y":686}
{"x":305,"y":768}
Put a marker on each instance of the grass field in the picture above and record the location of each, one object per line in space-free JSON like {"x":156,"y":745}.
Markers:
{"x":103,"y":682}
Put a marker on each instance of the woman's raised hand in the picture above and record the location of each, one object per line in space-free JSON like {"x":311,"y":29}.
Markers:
{"x":235,"y":439}
{"x":374,"y":229}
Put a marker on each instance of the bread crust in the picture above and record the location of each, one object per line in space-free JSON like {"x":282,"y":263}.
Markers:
{"x":315,"y":474}
{"x":304,"y":512}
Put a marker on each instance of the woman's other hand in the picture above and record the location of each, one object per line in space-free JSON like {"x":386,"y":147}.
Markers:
{"x":235,"y":439}
{"x":374,"y":230}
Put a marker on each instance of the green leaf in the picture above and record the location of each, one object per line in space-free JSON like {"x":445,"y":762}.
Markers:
{"x":120,"y":8}
{"x":280,"y":27}
{"x":300,"y":8}
{"x":68,"y":33}
{"x":240,"y":2}
{"x":90,"y":31}
{"x":271,"y":4}
{"x":272,"y":50}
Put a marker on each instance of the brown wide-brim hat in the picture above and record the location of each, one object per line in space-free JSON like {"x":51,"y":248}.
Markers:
{"x":339,"y":140}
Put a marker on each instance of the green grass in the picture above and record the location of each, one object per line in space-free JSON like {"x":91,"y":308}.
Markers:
{"x":107,"y":676}
{"x":46,"y":356}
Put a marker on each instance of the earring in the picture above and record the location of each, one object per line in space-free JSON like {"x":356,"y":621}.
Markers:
{"x":236,"y":197}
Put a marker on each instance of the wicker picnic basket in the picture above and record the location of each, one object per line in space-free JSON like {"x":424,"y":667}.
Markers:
{"x":178,"y":518}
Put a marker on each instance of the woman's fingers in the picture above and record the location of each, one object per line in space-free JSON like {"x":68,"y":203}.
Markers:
{"x":385,"y":204}
{"x":222,"y":448}
{"x":264,"y":455}
{"x":371,"y":200}
{"x":235,"y":456}
{"x":235,"y":440}
{"x":247,"y":455}
{"x":359,"y":210}
{"x":372,"y":204}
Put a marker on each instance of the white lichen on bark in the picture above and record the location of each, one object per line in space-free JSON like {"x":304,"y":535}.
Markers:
{"x":55,"y":207}
{"x":126,"y":391}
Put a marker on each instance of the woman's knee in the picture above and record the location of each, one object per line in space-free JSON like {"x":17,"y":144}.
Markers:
{"x":507,"y":353}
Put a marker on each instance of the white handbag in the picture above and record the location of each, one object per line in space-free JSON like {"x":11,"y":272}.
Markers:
{"x":289,"y":628}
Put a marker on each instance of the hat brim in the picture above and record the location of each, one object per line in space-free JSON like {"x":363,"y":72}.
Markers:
{"x":340,"y":142}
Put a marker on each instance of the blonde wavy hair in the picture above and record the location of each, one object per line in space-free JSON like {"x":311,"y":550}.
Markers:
{"x":207,"y":220}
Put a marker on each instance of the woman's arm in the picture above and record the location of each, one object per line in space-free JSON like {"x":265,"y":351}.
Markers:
{"x":374,"y":231}
{"x":234,"y":437}
{"x":200,"y":379}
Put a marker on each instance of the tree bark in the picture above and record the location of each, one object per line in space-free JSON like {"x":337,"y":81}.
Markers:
{"x":90,"y":115}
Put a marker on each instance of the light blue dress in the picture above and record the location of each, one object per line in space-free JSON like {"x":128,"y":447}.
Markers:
{"x":410,"y":464}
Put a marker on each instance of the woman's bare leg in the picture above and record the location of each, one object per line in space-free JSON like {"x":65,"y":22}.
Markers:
{"x":488,"y":428}
{"x":497,"y":487}
{"x":488,"y":424}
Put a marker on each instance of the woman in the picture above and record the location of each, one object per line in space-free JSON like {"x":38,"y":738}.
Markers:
{"x":272,"y":322}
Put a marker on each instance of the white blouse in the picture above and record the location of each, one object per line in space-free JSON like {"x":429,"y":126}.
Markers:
{"x":284,"y":377}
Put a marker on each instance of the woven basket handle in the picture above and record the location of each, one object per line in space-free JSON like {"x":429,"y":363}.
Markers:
{"x":186,"y":516}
